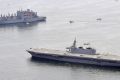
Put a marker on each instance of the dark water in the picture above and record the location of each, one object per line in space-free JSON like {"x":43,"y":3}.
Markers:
{"x":57,"y":33}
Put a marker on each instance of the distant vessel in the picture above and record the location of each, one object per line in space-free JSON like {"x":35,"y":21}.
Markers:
{"x":75,"y":54}
{"x":71,"y":21}
{"x":21,"y":17}
{"x":99,"y":19}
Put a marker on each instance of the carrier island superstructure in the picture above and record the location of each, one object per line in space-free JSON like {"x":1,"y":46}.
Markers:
{"x":21,"y":16}
{"x":75,"y":54}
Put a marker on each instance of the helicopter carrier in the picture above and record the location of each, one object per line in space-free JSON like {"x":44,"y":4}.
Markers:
{"x":21,"y":16}
{"x":73,"y":54}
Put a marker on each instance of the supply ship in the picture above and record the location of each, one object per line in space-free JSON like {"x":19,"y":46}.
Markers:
{"x":21,"y":16}
{"x":74,"y":54}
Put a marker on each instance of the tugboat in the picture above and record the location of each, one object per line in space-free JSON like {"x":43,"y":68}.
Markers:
{"x":26,"y":16}
{"x":73,"y":54}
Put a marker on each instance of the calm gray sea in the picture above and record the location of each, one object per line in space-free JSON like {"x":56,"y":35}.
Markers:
{"x":58,"y":33}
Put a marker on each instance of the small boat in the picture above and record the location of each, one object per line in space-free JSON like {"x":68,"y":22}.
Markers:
{"x":99,"y":19}
{"x":71,"y":21}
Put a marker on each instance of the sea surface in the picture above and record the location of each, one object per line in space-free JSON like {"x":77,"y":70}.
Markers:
{"x":58,"y":33}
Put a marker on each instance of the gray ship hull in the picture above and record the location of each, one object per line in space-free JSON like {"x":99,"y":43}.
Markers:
{"x":23,"y":21}
{"x":74,"y":59}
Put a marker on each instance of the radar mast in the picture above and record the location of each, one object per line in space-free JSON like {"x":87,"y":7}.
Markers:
{"x":74,"y":43}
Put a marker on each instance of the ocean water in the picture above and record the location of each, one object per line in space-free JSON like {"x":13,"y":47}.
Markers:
{"x":58,"y":33}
